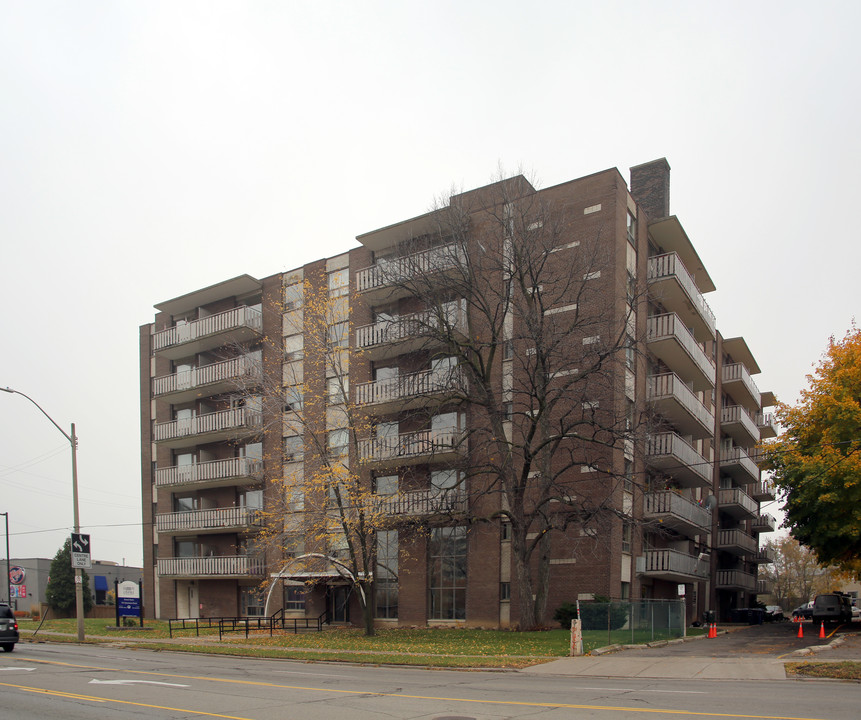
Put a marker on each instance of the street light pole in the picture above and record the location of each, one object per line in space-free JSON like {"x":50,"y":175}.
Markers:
{"x":73,"y":441}
{"x":8,"y":566}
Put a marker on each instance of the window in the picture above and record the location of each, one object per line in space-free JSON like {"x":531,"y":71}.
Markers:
{"x":186,"y":548}
{"x":445,"y":481}
{"x":293,"y":399}
{"x":629,"y":475}
{"x":629,"y":415}
{"x":508,"y":411}
{"x":626,"y":536}
{"x":447,"y":573}
{"x":505,"y":591}
{"x":338,"y":441}
{"x":339,"y":282}
{"x":252,"y":602}
{"x":632,"y":229}
{"x":630,"y":354}
{"x":386,"y":576}
{"x":294,"y":347}
{"x":294,"y":448}
{"x":185,"y":504}
{"x":505,"y":531}
{"x":386,"y":485}
{"x":631,"y":291}
{"x":293,"y":296}
{"x":337,"y":389}
{"x":294,"y":598}
{"x":508,"y":350}
{"x":339,"y":335}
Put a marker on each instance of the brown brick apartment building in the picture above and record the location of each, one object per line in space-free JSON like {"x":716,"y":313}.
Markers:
{"x":525,"y":383}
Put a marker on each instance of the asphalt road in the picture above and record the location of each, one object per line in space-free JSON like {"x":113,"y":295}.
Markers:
{"x":69,"y":682}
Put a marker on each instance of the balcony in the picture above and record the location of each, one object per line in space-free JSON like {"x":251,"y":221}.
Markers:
{"x":677,"y":513}
{"x":211,"y":427}
{"x":410,"y":390}
{"x":405,"y":333}
{"x":672,"y":565}
{"x":736,"y":463}
{"x":678,"y":459}
{"x":212,"y":474}
{"x":674,"y":400}
{"x":413,"y":448}
{"x":207,"y":380}
{"x":739,"y":385}
{"x":764,"y":586}
{"x":737,"y":503}
{"x":736,"y":422}
{"x":239,"y":325}
{"x":390,"y":279}
{"x":767,"y":425}
{"x":672,"y":284}
{"x":763,"y":555}
{"x":763,"y":491}
{"x":424,"y":502}
{"x":212,"y":520}
{"x":735,"y":580}
{"x":224,"y":566}
{"x":763,"y":523}
{"x":736,"y":541}
{"x":671,"y":341}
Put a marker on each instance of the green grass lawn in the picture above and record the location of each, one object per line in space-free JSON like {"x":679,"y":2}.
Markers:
{"x":440,"y":647}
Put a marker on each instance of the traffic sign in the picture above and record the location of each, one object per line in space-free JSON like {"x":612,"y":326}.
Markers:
{"x":81,"y":551}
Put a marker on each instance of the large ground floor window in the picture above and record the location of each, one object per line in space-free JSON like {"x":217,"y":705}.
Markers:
{"x":386,"y":575}
{"x":447,"y":573}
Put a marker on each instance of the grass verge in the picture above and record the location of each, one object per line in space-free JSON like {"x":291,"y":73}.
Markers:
{"x":835,"y":670}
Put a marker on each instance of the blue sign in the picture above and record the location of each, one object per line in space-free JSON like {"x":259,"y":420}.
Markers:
{"x":129,"y":607}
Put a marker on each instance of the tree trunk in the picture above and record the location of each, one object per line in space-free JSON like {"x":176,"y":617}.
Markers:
{"x":367,"y":609}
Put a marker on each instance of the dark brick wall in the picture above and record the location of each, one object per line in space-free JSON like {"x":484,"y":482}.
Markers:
{"x":650,"y":186}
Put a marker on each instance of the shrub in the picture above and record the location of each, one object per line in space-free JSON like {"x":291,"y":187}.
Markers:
{"x":597,"y":614}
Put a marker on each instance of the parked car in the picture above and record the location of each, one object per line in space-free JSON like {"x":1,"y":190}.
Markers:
{"x":803,"y":612}
{"x":774,"y":613}
{"x":8,"y":628}
{"x":832,"y":607}
{"x":856,"y":611}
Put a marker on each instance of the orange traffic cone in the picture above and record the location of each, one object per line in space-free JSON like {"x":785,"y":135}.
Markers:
{"x":800,"y":630}
{"x":712,"y":631}
{"x":822,"y":630}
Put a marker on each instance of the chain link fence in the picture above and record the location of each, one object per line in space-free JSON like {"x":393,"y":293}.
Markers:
{"x":635,"y":622}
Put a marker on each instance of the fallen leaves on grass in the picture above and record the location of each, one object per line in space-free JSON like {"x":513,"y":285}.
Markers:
{"x":837,"y":670}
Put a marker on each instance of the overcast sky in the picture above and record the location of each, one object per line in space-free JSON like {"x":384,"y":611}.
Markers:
{"x":148,"y":149}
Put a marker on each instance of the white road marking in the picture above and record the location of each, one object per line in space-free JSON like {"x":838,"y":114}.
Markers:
{"x":134,"y":682}
{"x":18,"y":668}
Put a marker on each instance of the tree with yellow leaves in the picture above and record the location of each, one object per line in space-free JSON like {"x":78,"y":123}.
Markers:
{"x":817,"y":459}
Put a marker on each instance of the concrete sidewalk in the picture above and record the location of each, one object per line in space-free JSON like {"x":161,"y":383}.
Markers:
{"x":627,"y":664}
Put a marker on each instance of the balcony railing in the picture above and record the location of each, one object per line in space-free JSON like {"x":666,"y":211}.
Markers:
{"x":673,"y":343}
{"x":740,"y":386}
{"x":238,"y":566}
{"x":677,"y":512}
{"x":764,"y":586}
{"x":410,"y":447}
{"x":763,"y":522}
{"x":736,"y":502}
{"x":767,"y":425}
{"x":406,"y":333}
{"x":764,"y":555}
{"x":209,"y":520}
{"x":675,"y":401}
{"x":224,"y":421}
{"x":736,"y":580}
{"x":735,"y":461}
{"x":736,"y":422}
{"x":211,"y":473}
{"x":670,"y":266}
{"x":205,"y":331}
{"x":424,"y":502}
{"x":398,"y":270}
{"x":413,"y":385}
{"x":677,"y":458}
{"x":763,"y":491}
{"x":233,"y":370}
{"x":736,"y":541}
{"x":673,"y":564}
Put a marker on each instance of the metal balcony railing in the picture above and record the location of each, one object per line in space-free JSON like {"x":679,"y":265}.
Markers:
{"x":403,"y":327}
{"x":738,"y":497}
{"x":232,"y":419}
{"x":209,"y":519}
{"x":764,"y":522}
{"x":218,"y":566}
{"x":767,"y":425}
{"x":673,"y":562}
{"x":737,"y":539}
{"x":671,"y":386}
{"x":733,"y":457}
{"x":738,"y":415}
{"x":678,"y":458}
{"x":424,"y":502}
{"x":232,"y":319}
{"x":235,"y":369}
{"x":208,"y":472}
{"x":417,"y":384}
{"x":736,"y":579}
{"x":390,"y":272}
{"x":671,"y":265}
{"x":669,"y":503}
{"x":737,"y":373}
{"x":660,"y":328}
{"x":763,"y":491}
{"x":410,"y":445}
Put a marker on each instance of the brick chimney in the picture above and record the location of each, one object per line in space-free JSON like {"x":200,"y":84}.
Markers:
{"x":650,"y":186}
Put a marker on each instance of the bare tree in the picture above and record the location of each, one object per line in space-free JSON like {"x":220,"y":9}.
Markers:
{"x":796,"y":575}
{"x":536,"y":328}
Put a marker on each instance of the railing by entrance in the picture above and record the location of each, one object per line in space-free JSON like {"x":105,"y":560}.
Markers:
{"x":277,"y":621}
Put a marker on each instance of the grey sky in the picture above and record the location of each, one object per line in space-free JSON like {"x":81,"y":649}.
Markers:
{"x":151,"y":148}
